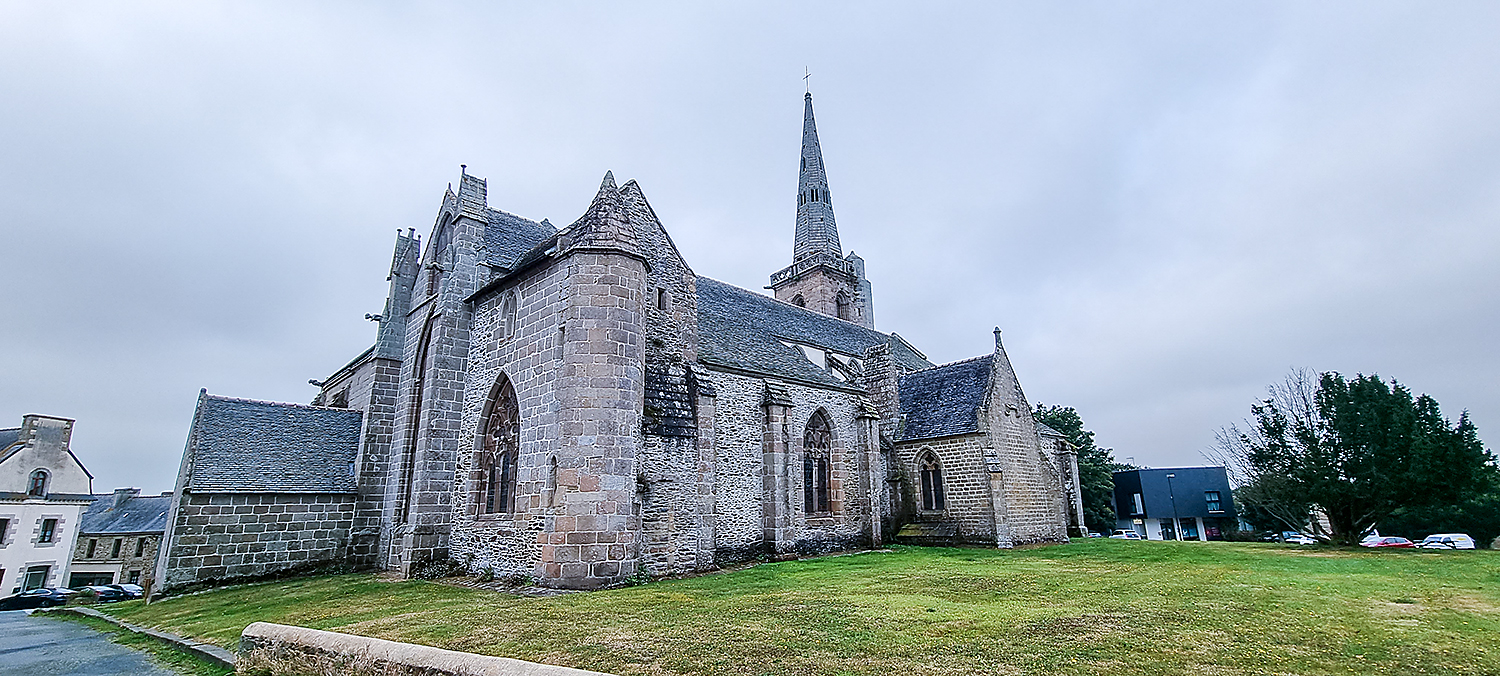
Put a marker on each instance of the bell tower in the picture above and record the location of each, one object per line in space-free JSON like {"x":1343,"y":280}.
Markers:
{"x":820,"y":277}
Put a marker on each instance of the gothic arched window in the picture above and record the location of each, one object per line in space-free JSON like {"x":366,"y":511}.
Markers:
{"x":817,"y":450}
{"x":438,"y":258}
{"x":38,"y":485}
{"x":499,"y":451}
{"x":932,"y":481}
{"x":799,"y":301}
{"x":845,"y":307}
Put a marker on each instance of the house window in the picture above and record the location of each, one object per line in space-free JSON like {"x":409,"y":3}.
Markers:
{"x":4,"y":530}
{"x":932,"y":482}
{"x":38,"y":485}
{"x":89,"y":553}
{"x":1212,"y":498}
{"x":35,"y":577}
{"x":114,"y":552}
{"x":140,"y":546}
{"x":499,"y":451}
{"x":1139,"y":506}
{"x":135,"y":577}
{"x":817,"y":451}
{"x":49,"y":531}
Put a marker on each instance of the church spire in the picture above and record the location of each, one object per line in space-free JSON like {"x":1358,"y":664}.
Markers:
{"x":816,"y":230}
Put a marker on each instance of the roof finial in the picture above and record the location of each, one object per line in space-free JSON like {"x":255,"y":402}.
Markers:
{"x":997,"y":337}
{"x":806,"y":79}
{"x":463,"y":169}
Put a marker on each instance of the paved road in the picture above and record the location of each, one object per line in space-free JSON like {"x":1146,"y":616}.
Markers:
{"x":43,"y":646}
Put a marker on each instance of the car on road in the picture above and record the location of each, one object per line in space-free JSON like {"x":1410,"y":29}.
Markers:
{"x":44,"y":597}
{"x":1124,"y":534}
{"x":1447,"y":541}
{"x":1388,"y":541}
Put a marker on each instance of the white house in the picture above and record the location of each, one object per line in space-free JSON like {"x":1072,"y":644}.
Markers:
{"x":43,"y":492}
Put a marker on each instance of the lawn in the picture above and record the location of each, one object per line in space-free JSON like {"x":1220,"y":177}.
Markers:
{"x":1090,"y":607}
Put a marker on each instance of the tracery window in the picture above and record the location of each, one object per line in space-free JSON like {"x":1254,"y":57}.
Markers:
{"x":38,"y":485}
{"x":932,"y":482}
{"x":845,"y":307}
{"x":499,"y":451}
{"x":817,"y":449}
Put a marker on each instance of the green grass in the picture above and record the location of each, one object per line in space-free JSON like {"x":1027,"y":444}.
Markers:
{"x":1090,"y":607}
{"x":160,"y":652}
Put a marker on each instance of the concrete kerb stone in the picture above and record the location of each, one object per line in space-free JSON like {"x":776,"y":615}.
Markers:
{"x":207,"y":651}
{"x":279,"y":648}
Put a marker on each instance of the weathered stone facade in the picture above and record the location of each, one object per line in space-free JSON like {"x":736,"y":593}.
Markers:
{"x":231,"y":536}
{"x":578,"y":407}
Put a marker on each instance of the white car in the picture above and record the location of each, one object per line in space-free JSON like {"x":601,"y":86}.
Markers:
{"x":1447,"y":541}
{"x":1298,"y":538}
{"x":1124,"y":534}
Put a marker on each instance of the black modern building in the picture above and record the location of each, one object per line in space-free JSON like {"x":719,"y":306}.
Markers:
{"x":1175,"y":503}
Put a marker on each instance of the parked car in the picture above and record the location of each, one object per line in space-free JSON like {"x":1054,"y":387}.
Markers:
{"x":1124,"y":534}
{"x":45,"y":597}
{"x":106,"y":594}
{"x":1293,"y":537}
{"x":1388,"y":541}
{"x":1092,"y":534}
{"x":1447,"y":541}
{"x":132,"y":591}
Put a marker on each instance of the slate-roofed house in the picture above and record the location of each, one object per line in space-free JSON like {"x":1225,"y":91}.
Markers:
{"x":119,"y":537}
{"x":43,"y":490}
{"x":263,"y":487}
{"x":578,"y":406}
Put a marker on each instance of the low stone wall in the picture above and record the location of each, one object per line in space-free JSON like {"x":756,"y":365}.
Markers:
{"x":267,"y":648}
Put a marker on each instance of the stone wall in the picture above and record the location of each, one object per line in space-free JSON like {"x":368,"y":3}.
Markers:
{"x":740,"y":485}
{"x":127,"y":560}
{"x":223,"y":536}
{"x":1035,"y":506}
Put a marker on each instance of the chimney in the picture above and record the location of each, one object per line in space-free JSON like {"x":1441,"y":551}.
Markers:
{"x":123,"y":494}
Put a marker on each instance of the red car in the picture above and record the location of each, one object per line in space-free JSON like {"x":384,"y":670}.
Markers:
{"x":1390,"y":542}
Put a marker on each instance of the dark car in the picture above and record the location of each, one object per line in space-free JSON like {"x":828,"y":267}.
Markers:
{"x":131,"y":591}
{"x":1391,"y":541}
{"x":45,"y":597}
{"x":104,"y":594}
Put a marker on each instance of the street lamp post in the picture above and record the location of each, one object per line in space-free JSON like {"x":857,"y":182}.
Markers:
{"x":1176,"y":527}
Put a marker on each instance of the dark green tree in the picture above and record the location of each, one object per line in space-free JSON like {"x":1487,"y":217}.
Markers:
{"x":1479,"y":516}
{"x":1096,"y":466}
{"x":1358,"y":450}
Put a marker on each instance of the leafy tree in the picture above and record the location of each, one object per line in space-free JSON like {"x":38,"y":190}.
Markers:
{"x":1358,"y":450}
{"x":1478,"y":516}
{"x":1096,"y":466}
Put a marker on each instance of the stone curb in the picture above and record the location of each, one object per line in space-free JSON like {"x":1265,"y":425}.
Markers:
{"x":207,"y":651}
{"x":316,"y":651}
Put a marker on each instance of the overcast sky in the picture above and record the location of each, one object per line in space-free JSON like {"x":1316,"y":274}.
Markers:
{"x":1166,"y":206}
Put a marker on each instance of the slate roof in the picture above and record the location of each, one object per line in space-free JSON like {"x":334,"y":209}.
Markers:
{"x":742,"y":329}
{"x":945,"y":400}
{"x":137,"y":514}
{"x":8,"y":436}
{"x":246,"y":446}
{"x":508,"y":237}
{"x":1043,"y":429}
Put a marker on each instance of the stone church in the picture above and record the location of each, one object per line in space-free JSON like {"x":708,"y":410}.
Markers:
{"x":579,"y":406}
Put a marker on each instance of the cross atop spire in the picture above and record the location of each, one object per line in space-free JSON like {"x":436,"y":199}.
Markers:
{"x":816,"y":230}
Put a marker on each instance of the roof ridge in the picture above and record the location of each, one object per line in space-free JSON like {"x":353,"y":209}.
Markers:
{"x":287,"y":404}
{"x":952,"y":363}
{"x":813,"y":313}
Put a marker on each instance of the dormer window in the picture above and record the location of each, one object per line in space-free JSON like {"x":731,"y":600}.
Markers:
{"x":38,"y":485}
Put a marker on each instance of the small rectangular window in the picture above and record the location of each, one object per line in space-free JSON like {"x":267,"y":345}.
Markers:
{"x":93,"y":544}
{"x":135,"y":577}
{"x":1140,"y":506}
{"x":661,"y":299}
{"x":49,"y":531}
{"x":140,"y":546}
{"x":1214,"y":503}
{"x":4,"y":530}
{"x":114,"y":551}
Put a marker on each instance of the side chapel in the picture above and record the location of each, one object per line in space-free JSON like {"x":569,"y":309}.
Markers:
{"x":577,"y":405}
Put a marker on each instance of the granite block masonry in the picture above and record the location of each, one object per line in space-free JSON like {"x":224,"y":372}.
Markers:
{"x":578,"y":406}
